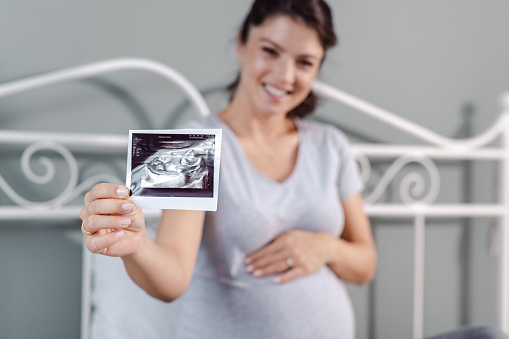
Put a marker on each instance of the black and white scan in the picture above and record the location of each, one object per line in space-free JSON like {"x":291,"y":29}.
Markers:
{"x":174,"y":165}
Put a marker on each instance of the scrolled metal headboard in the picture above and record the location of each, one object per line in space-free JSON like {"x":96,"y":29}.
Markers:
{"x":417,"y":191}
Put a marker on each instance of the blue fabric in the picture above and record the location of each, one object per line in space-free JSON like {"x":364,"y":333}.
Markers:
{"x":472,"y":332}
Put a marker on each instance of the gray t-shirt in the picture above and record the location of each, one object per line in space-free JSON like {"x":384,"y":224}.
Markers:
{"x":223,"y":300}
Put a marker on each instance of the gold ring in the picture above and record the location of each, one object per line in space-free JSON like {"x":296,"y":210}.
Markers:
{"x":83,"y":228}
{"x":289,"y":262}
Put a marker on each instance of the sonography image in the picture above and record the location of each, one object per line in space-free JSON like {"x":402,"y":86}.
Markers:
{"x":172,"y":165}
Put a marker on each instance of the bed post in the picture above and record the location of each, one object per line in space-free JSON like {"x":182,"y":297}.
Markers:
{"x":419,"y":254}
{"x":86,"y":292}
{"x":504,"y":259}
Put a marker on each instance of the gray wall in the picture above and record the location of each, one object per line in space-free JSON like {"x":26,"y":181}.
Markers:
{"x":427,"y":61}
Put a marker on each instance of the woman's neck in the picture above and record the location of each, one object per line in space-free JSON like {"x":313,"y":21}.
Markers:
{"x":245,"y":122}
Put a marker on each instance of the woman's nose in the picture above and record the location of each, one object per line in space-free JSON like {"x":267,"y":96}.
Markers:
{"x":286,"y":71}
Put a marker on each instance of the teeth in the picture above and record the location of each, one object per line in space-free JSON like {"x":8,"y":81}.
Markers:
{"x":274,"y":91}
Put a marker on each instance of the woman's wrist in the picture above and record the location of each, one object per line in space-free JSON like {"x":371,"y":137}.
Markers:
{"x":332,"y":247}
{"x":142,"y":251}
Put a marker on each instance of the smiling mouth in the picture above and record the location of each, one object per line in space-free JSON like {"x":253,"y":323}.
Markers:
{"x":275,"y":91}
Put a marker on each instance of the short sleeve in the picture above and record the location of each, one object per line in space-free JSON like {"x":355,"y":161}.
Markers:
{"x":348,"y":180}
{"x":209,"y":121}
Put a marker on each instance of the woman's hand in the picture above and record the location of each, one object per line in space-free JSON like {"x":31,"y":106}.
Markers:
{"x":116,"y":226}
{"x":294,"y":253}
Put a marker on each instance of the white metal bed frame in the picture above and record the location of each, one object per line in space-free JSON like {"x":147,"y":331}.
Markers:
{"x":437,"y":147}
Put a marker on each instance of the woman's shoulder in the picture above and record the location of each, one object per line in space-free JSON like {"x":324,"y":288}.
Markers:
{"x":325,"y":133}
{"x":210,"y":121}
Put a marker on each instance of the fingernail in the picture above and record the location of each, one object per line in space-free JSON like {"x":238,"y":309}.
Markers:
{"x":128,"y":207}
{"x":119,"y":235}
{"x":257,"y":273}
{"x":248,"y":260}
{"x":250,"y":268}
{"x":278,"y":280}
{"x":122,"y":192}
{"x":125,"y":222}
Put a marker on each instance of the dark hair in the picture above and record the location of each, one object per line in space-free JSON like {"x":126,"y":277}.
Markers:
{"x":314,"y":13}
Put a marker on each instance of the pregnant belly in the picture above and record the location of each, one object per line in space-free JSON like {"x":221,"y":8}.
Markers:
{"x":315,"y":306}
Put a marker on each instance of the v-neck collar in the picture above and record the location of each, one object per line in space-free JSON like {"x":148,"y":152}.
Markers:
{"x":253,"y":168}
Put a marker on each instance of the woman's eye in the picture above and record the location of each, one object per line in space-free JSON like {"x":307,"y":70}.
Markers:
{"x":269,"y":51}
{"x":305,"y":63}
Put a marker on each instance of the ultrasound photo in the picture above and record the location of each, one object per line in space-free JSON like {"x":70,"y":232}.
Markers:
{"x":173,"y":164}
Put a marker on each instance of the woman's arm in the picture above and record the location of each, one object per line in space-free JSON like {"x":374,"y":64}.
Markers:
{"x":353,"y":256}
{"x":164,"y":268}
{"x":117,"y":228}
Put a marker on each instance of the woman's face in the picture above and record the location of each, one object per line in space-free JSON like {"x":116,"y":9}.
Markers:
{"x":279,"y":62}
